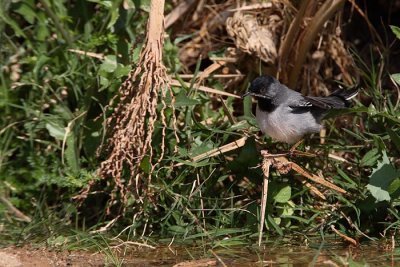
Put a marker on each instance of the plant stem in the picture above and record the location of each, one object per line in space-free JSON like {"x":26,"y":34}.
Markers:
{"x":327,"y":10}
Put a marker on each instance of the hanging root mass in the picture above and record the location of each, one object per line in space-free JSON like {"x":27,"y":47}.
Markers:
{"x":130,"y":128}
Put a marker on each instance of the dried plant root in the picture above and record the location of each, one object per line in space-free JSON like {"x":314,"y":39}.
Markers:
{"x":131,"y":126}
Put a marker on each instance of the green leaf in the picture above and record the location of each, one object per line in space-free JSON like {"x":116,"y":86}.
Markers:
{"x":370,"y":158}
{"x":71,"y":153}
{"x":395,"y":138}
{"x":288,"y":209}
{"x":244,"y":124}
{"x":122,"y":70}
{"x":381,"y":178}
{"x":114,"y":13}
{"x":394,"y":186}
{"x":181,"y":100}
{"x":396,"y":77}
{"x":396,"y":31}
{"x":56,"y":131}
{"x":107,"y":4}
{"x":25,"y":10}
{"x":145,"y":165}
{"x":14,"y":25}
{"x":200,"y":147}
{"x":272,"y":222}
{"x":109,"y":64}
{"x":283,"y":195}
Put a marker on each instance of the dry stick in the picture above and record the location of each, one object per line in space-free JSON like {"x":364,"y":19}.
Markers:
{"x":265,"y":167}
{"x":344,"y":237}
{"x":326,"y":11}
{"x":203,"y":88}
{"x":218,"y":258}
{"x":290,"y":38}
{"x":197,"y":263}
{"x":14,"y":210}
{"x":225,"y":76}
{"x":311,"y":187}
{"x":178,"y":12}
{"x":201,"y":202}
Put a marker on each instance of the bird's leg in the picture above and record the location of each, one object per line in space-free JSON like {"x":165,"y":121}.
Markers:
{"x":294,"y":152}
{"x":293,"y":148}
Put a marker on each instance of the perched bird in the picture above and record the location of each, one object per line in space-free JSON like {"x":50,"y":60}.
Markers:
{"x":286,"y":115}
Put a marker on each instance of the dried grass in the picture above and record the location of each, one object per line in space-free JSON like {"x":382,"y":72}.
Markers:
{"x":256,"y":29}
{"x":303,"y":47}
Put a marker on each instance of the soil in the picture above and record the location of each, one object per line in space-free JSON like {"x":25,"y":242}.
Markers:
{"x":29,"y":257}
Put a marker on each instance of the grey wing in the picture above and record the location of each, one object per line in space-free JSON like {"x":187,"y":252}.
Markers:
{"x":328,"y":102}
{"x":317,"y":102}
{"x":300,"y":102}
{"x":323,"y":102}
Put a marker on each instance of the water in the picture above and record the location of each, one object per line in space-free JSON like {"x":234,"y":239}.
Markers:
{"x":322,"y":254}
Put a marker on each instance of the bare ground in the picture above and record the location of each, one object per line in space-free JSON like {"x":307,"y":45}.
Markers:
{"x":29,"y":257}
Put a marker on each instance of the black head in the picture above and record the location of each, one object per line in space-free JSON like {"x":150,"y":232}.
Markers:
{"x":266,"y":87}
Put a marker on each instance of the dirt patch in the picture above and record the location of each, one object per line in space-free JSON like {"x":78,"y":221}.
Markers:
{"x":29,"y":257}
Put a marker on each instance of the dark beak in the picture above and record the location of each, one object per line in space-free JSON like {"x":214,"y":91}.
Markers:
{"x":256,"y":95}
{"x":246,"y":94}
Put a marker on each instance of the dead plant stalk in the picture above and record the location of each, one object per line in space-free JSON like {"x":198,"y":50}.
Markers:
{"x":131,"y":126}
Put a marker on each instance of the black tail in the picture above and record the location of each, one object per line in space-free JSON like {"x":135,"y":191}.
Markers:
{"x":345,"y":95}
{"x":337,"y":100}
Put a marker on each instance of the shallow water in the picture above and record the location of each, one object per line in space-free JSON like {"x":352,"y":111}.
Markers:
{"x":323,"y":254}
{"x":274,"y":253}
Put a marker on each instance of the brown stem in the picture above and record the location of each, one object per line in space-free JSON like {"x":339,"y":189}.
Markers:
{"x":156,"y":29}
{"x":327,"y":10}
{"x":290,"y":37}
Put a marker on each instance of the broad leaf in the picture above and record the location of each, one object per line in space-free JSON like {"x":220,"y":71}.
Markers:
{"x":370,"y":158}
{"x":396,"y":78}
{"x":283,"y":195}
{"x":381,"y":178}
{"x":56,"y":131}
{"x":109,"y":64}
{"x":396,"y":31}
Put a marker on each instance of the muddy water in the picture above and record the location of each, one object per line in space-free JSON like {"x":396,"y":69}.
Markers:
{"x":274,"y":254}
{"x":285,"y":255}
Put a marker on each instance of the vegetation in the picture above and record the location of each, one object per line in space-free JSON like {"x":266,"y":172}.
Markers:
{"x":61,"y":64}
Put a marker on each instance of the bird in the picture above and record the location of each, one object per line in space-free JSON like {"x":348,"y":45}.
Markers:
{"x":286,"y":115}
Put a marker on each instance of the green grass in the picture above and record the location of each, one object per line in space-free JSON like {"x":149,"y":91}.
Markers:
{"x":52,"y":107}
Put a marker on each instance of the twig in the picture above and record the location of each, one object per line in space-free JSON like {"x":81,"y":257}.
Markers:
{"x":197,"y":263}
{"x":201,"y":202}
{"x":312,"y":188}
{"x":218,"y":258}
{"x":14,"y":210}
{"x":326,"y":11}
{"x":345,"y":237}
{"x":106,"y":227}
{"x":265,"y":168}
{"x":89,"y":54}
{"x":177,"y":12}
{"x":203,"y":88}
{"x":219,"y":150}
{"x":134,"y":244}
{"x":223,"y":76}
{"x":291,"y":34}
